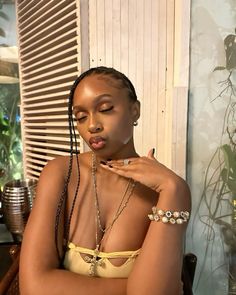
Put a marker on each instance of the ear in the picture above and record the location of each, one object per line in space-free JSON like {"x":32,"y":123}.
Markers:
{"x":135,"y":110}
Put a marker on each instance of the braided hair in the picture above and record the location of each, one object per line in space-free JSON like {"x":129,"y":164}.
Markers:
{"x":124,"y":83}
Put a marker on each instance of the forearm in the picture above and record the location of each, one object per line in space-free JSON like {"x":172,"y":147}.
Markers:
{"x":60,"y":282}
{"x":157,"y":270}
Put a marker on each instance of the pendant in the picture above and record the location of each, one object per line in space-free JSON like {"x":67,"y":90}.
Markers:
{"x":93,"y":261}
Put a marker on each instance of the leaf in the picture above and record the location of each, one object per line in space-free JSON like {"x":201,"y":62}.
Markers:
{"x":220,"y":68}
{"x":4,"y":15}
{"x":224,"y":175}
{"x":232,"y":185}
{"x":230,"y":159}
{"x":228,"y":173}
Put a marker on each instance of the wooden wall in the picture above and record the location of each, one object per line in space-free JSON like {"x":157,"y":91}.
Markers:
{"x":148,"y":40}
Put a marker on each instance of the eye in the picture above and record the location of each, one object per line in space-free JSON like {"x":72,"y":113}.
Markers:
{"x":80,"y":117}
{"x":107,"y":109}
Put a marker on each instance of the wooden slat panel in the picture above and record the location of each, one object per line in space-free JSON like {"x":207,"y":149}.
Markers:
{"x":38,"y":156}
{"x":48,"y":138}
{"x":47,"y":151}
{"x":40,"y":162}
{"x":49,"y":47}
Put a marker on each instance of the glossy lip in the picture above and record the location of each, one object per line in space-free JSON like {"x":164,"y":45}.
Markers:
{"x":96,"y":139}
{"x":93,"y":141}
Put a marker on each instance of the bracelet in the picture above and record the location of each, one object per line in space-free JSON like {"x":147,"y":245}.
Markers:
{"x":178,"y":217}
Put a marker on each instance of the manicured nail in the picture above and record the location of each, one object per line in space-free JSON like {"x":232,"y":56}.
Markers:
{"x":103,"y":162}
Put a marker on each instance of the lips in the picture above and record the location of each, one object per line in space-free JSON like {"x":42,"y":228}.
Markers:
{"x":97,"y":142}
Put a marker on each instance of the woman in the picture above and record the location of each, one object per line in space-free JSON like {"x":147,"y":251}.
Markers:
{"x":92,"y":229}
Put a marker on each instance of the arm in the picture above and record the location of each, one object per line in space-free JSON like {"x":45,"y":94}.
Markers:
{"x":162,"y":251}
{"x":39,"y":266}
{"x":157,"y":270}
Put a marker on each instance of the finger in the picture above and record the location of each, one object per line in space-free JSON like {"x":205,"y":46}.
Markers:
{"x":120,"y":170}
{"x":151,"y":153}
{"x":121,"y":162}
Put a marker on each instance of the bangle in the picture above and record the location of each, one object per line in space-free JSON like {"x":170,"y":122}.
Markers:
{"x":172,"y":217}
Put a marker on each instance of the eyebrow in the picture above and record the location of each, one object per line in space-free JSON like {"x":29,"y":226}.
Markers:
{"x":97,"y":98}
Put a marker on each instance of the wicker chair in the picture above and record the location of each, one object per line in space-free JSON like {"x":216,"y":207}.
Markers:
{"x":9,"y":285}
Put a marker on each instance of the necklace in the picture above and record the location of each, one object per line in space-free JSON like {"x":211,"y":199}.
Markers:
{"x":94,"y":262}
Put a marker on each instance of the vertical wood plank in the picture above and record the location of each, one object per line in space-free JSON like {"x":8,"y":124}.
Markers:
{"x":147,"y":64}
{"x":100,"y":32}
{"x":108,"y":34}
{"x":181,"y":47}
{"x":161,"y":109}
{"x":116,"y":42}
{"x":124,"y":36}
{"x":140,"y":75}
{"x":170,"y":12}
{"x":132,"y":40}
{"x":93,"y":32}
{"x":154,"y":71}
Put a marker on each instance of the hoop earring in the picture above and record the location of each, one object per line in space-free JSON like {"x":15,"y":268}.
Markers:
{"x":135,"y":123}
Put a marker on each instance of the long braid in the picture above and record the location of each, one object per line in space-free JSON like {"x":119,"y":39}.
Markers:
{"x":126,"y":83}
{"x":63,"y":196}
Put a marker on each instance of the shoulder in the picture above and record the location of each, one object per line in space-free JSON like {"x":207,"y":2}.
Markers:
{"x":58,"y":168}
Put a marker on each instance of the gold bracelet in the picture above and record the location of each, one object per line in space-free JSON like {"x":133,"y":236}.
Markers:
{"x":178,"y":217}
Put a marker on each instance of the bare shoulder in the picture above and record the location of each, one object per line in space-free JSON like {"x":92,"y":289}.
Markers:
{"x":53,"y":177}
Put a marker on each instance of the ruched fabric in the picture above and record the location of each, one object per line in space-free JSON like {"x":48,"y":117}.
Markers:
{"x":104,"y":268}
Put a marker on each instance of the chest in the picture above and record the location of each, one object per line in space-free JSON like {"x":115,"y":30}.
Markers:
{"x":114,"y":205}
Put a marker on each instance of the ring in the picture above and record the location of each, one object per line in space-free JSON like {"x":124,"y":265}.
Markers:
{"x":126,"y":162}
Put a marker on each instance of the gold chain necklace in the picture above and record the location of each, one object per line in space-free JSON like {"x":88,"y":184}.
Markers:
{"x":130,"y":187}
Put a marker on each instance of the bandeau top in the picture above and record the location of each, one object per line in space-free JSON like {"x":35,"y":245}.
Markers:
{"x":104,"y":268}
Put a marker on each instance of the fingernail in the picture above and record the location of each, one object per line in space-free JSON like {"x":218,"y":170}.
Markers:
{"x":110,"y":166}
{"x":153,"y":151}
{"x":103,"y":162}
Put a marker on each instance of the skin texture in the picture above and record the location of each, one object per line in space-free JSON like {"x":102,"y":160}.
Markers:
{"x":103,"y":109}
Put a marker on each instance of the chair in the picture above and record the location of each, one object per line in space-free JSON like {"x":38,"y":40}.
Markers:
{"x":9,"y":285}
{"x":188,"y":271}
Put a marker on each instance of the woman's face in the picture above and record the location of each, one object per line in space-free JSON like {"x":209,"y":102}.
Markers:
{"x":105,"y":115}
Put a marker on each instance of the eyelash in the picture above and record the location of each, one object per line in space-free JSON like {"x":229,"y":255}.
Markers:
{"x":102,"y":111}
{"x":107,"y":110}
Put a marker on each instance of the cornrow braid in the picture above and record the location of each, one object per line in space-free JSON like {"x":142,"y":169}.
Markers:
{"x":125,"y":83}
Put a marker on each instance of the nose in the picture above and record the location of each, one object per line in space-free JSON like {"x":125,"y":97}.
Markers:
{"x":94,"y":125}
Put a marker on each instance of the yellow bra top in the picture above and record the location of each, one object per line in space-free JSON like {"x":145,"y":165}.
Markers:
{"x":103,"y":267}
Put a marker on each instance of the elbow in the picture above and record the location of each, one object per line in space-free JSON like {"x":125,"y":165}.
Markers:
{"x":32,"y":283}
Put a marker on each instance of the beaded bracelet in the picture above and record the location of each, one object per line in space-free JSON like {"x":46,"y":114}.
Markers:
{"x":178,"y":217}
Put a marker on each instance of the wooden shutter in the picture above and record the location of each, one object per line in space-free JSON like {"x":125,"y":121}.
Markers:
{"x":49,"y":51}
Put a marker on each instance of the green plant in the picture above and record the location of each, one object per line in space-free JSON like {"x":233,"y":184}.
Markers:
{"x":10,"y":131}
{"x":10,"y":134}
{"x":218,"y":200}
